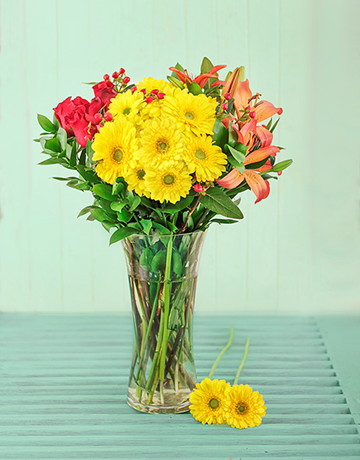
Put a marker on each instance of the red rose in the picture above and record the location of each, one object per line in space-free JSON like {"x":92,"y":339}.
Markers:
{"x":95,"y":106}
{"x":79,"y":124}
{"x":65,"y":109}
{"x":104,"y":91}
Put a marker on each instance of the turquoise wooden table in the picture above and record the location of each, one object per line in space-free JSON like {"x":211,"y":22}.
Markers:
{"x":63,"y":382}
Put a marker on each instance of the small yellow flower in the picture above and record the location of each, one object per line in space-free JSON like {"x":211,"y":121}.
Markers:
{"x":150,"y":83}
{"x":170,"y":183}
{"x":114,"y":148}
{"x":135,"y":178}
{"x":205,"y":159}
{"x":127,"y":105}
{"x":207,"y":401}
{"x":243,"y":407}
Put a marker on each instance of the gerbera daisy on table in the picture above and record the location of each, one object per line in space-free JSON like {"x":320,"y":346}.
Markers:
{"x":208,"y":401}
{"x":243,"y":407}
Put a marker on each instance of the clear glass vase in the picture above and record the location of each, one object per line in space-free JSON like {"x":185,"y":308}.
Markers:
{"x":162,"y":275}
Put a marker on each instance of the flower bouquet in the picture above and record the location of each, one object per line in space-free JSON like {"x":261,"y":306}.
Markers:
{"x":163,"y":161}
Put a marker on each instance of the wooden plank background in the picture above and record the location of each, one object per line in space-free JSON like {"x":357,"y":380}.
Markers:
{"x":296,"y":252}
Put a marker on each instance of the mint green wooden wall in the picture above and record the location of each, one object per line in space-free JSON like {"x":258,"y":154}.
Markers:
{"x":295,"y":252}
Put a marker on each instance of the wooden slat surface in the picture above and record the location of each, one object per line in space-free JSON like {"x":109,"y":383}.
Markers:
{"x":63,"y":382}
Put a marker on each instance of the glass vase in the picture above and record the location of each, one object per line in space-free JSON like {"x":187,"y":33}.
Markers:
{"x":162,"y":276}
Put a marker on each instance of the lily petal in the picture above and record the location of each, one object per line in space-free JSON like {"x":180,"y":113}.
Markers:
{"x":260,"y":154}
{"x":203,"y":78}
{"x":265,"y":109}
{"x":231,"y":180}
{"x":247,"y":132}
{"x":232,"y":82}
{"x":216,"y":68}
{"x":179,"y":73}
{"x":258,"y":185}
{"x":264,"y":135}
{"x":243,"y":94}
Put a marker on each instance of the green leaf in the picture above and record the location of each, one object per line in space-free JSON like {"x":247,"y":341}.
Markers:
{"x":83,"y":186}
{"x":220,"y":134}
{"x":53,"y":145}
{"x":281,"y":166}
{"x":118,"y":205}
{"x":88,"y":174}
{"x":257,"y":165}
{"x":46,"y":124}
{"x":121,"y":234}
{"x":159,"y":261}
{"x":82,"y":158}
{"x":89,"y":150}
{"x":240,"y":157}
{"x":146,"y":258}
{"x":216,"y":200}
{"x":206,"y":65}
{"x":233,"y":136}
{"x":224,"y":221}
{"x":72,"y":183}
{"x":176,"y":82}
{"x":62,"y":136}
{"x":118,"y":187}
{"x":177,"y":263}
{"x":108,"y":225}
{"x":275,"y":125}
{"x":241,"y":148}
{"x":183,"y":203}
{"x":146,"y":225}
{"x":136,"y":200}
{"x":178,"y":67}
{"x":195,"y":88}
{"x":162,"y":230}
{"x":64,"y":178}
{"x":239,"y":166}
{"x":124,"y":216}
{"x":99,"y":214}
{"x":104,"y":191}
{"x":73,"y":156}
{"x":50,"y":161}
{"x":86,"y":210}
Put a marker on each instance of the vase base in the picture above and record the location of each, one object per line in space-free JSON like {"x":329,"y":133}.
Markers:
{"x":179,"y":405}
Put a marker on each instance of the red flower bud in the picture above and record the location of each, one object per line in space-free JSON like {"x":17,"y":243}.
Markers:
{"x":133,"y":89}
{"x":108,"y":116}
{"x":198,"y":188}
{"x":154,"y":91}
{"x":227,"y":96}
{"x":279,"y":173}
{"x":149,"y":99}
{"x":126,"y":80}
{"x":143,"y":91}
{"x":161,"y":95}
{"x":98,"y":117}
{"x":121,"y":71}
{"x":252,"y":114}
{"x":115,"y":75}
{"x":224,"y":106}
{"x":106,"y":77}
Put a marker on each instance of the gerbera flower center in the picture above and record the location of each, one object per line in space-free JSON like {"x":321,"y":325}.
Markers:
{"x":241,"y":408}
{"x":141,"y":174}
{"x":189,"y":115}
{"x":200,"y":155}
{"x":214,"y":403}
{"x":169,"y":179}
{"x":126,"y":111}
{"x":162,"y":146}
{"x":118,"y":155}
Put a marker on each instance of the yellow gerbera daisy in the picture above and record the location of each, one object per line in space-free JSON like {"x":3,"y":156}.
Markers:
{"x":127,"y":104}
{"x":243,"y":407}
{"x":194,"y":114}
{"x":135,"y":178}
{"x":114,"y":147}
{"x":169,"y":183}
{"x":150,"y":83}
{"x":204,"y":158}
{"x":162,"y":144}
{"x":207,"y":401}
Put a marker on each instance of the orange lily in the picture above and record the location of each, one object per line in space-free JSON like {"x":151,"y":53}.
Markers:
{"x":200,"y":79}
{"x":240,"y":91}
